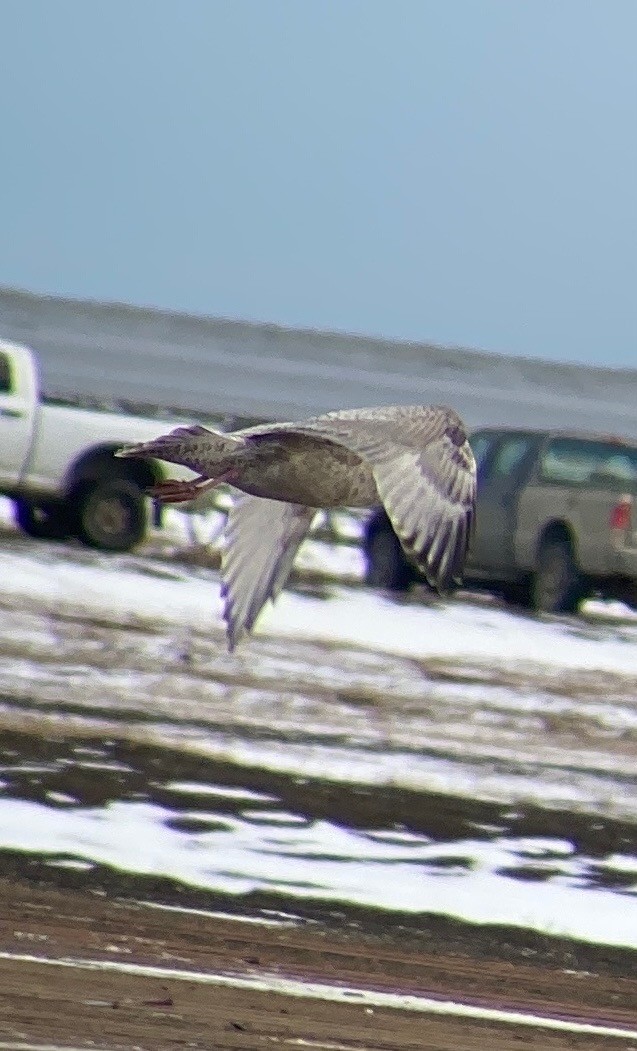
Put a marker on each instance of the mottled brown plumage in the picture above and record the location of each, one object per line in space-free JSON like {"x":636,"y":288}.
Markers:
{"x":414,"y":459}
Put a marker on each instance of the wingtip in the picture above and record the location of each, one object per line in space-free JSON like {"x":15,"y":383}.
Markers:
{"x":233,"y":629}
{"x":234,"y":635}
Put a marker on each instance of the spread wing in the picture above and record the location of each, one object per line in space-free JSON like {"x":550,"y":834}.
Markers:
{"x":425,"y":474}
{"x":262,"y":538}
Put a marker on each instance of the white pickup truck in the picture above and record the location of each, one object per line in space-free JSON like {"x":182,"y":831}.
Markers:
{"x":57,"y":463}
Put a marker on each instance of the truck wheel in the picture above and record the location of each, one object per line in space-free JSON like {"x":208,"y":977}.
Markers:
{"x":556,"y":586}
{"x":387,"y":566}
{"x":42,"y":521}
{"x":110,"y":514}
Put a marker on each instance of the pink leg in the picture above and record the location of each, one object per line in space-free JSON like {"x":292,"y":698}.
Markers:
{"x":175,"y":492}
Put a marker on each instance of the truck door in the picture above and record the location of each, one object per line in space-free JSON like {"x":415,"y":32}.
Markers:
{"x":15,"y":421}
{"x":499,"y":482}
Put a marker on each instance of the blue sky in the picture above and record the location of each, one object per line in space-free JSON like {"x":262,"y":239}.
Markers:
{"x":461,"y":171}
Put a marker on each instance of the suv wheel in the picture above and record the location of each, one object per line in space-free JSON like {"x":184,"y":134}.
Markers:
{"x":110,"y":514}
{"x":517,"y":593}
{"x":556,"y":586}
{"x":628,"y":594}
{"x":387,"y":566}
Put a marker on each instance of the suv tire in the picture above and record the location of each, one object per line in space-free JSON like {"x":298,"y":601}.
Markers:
{"x":517,"y":593}
{"x":556,"y":586}
{"x":387,"y":566}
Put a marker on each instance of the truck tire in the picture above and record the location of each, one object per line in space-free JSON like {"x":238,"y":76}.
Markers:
{"x":386,"y":566}
{"x":556,"y":586}
{"x":42,"y":521}
{"x":110,"y":514}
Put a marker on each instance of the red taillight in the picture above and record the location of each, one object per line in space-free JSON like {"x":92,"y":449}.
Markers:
{"x":620,"y":516}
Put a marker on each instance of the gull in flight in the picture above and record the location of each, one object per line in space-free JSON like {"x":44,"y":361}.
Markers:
{"x":413,"y":459}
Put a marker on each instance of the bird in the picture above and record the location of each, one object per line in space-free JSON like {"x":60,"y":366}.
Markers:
{"x":415,"y":460}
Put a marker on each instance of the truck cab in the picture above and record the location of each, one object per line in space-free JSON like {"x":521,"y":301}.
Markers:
{"x":58,"y":464}
{"x":18,"y":397}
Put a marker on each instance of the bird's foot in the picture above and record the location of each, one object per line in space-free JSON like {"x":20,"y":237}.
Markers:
{"x":173,"y":491}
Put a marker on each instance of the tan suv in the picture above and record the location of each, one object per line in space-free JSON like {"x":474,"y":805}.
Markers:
{"x":556,"y":521}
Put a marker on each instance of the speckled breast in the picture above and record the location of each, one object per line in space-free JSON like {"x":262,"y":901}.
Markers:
{"x":308,"y":471}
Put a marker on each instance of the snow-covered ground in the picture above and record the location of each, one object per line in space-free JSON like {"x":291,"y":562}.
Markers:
{"x":282,"y":853}
{"x":355,"y":618}
{"x":459,"y":699}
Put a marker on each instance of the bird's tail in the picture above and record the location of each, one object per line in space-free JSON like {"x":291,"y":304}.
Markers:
{"x":195,"y":447}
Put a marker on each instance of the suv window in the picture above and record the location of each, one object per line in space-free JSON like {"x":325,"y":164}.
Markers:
{"x":575,"y":461}
{"x":480,"y":444}
{"x":510,"y":454}
{"x":5,"y":374}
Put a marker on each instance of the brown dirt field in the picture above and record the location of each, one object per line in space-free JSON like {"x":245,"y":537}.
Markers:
{"x":44,"y":1005}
